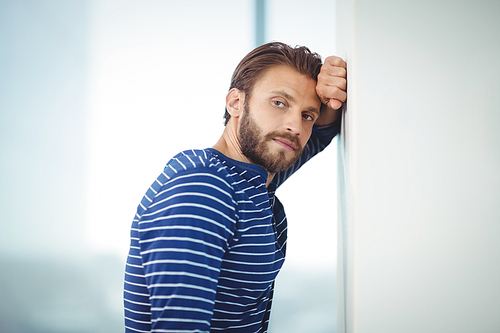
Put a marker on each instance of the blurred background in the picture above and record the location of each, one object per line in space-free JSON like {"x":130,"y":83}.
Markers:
{"x":95,"y":97}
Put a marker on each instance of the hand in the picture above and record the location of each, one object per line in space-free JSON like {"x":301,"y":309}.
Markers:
{"x":332,"y":83}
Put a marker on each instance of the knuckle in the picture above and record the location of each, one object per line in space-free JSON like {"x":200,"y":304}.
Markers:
{"x":335,"y":90}
{"x":335,"y":61}
{"x":341,"y":72}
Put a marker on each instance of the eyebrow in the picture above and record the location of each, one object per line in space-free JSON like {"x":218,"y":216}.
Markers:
{"x":293,"y":100}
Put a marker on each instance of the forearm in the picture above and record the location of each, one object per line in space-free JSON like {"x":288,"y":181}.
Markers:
{"x":328,"y":115}
{"x":320,"y":138}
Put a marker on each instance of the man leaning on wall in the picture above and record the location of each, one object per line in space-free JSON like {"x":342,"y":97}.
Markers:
{"x":209,"y":236}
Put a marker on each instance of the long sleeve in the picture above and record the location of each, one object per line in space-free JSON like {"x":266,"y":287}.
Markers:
{"x":178,"y":242}
{"x":319,"y":140}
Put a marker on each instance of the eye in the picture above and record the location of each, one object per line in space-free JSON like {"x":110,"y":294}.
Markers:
{"x":308,"y":117}
{"x":279,"y":104}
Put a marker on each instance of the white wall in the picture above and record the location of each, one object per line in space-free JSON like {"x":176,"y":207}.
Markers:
{"x":420,"y":162}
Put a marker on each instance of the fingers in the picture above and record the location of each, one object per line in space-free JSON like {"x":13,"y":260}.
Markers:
{"x":332,"y":84}
{"x":330,"y":93}
{"x":331,"y":80}
{"x":335,"y":61}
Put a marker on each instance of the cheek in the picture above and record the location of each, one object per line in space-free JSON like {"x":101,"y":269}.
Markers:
{"x":306,"y":135}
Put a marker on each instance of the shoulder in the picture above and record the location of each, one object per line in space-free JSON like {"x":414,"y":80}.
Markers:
{"x":190,"y":171}
{"x":196,"y":171}
{"x":202,"y":165}
{"x":189,"y":160}
{"x":191,"y":197}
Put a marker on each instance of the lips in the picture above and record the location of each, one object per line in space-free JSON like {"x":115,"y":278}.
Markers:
{"x":285,"y":143}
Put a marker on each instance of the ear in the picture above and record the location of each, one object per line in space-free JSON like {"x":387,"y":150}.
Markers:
{"x":234,"y":102}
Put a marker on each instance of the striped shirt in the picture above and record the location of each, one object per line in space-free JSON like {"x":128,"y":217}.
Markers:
{"x":207,"y":243}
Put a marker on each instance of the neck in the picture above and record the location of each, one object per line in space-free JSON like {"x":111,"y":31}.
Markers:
{"x":229,"y":145}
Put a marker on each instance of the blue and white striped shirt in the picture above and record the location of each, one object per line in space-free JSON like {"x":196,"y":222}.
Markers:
{"x":207,"y":243}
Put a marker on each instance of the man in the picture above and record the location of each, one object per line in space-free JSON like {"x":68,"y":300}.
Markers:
{"x":209,"y":236}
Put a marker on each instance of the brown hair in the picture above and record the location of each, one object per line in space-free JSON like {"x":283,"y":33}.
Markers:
{"x":258,"y":61}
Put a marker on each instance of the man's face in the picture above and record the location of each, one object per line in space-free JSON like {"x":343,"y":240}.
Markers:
{"x":277,"y":120}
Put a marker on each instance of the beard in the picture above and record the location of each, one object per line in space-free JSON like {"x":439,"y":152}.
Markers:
{"x":254,"y":144}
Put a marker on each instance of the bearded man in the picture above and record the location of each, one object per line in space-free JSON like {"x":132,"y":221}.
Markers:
{"x":209,"y":236}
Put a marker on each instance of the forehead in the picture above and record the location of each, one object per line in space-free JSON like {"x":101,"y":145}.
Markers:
{"x":286,"y":79}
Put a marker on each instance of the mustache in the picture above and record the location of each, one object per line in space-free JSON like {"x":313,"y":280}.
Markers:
{"x":283,"y":135}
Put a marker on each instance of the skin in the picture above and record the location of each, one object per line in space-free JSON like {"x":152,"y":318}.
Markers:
{"x":284,"y":107}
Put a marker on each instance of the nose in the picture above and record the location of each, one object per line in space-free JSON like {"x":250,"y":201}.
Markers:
{"x":293,"y":123}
